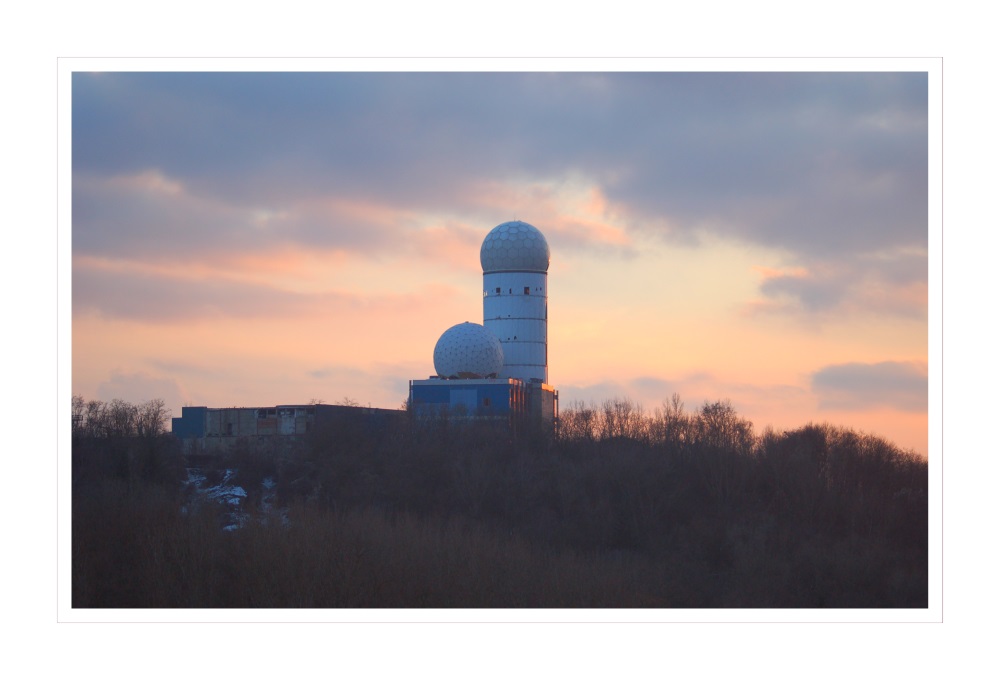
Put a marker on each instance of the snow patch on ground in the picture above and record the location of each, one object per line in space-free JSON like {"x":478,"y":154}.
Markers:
{"x":232,"y":497}
{"x":223,"y":492}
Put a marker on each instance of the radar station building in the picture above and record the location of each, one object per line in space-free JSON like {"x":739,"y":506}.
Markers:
{"x":499,"y":369}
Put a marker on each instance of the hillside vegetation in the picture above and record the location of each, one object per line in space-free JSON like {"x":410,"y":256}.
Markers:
{"x":621,"y":509}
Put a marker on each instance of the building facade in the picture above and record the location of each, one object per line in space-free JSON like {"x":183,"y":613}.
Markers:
{"x":204,"y":429}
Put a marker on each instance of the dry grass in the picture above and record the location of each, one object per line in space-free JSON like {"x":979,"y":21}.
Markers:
{"x":149,"y":555}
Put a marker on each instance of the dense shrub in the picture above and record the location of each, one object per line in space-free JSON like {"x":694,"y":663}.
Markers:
{"x":620,"y":508}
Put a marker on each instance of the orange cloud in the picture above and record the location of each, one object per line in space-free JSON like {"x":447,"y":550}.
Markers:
{"x":370,"y":213}
{"x":572,"y":212}
{"x":773,"y":273}
{"x":150,"y":180}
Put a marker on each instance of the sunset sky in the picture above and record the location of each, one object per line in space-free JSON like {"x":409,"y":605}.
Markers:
{"x":253,"y":239}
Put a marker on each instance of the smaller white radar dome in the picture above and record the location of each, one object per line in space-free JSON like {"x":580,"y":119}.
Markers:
{"x":514,"y":246}
{"x":468,"y":350}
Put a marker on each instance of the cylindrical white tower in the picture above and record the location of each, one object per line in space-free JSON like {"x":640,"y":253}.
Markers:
{"x":515,"y":259}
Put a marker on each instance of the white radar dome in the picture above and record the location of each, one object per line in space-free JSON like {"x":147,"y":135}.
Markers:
{"x":468,"y":350}
{"x":514,"y":246}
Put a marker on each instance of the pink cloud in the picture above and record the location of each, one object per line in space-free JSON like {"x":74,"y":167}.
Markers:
{"x":572,"y":214}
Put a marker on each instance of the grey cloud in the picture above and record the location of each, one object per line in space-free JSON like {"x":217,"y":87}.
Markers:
{"x":111,"y":218}
{"x":825,"y":165}
{"x":157,"y":298}
{"x":339,"y":372}
{"x":183,"y":368}
{"x":860,"y":386}
{"x":903,"y":268}
{"x":396,"y":136}
{"x":800,"y":171}
{"x":694,"y":390}
{"x":893,"y":283}
{"x":140,"y":387}
{"x":653,"y":384}
{"x":645,"y":389}
{"x":814,"y":293}
{"x":570,"y":395}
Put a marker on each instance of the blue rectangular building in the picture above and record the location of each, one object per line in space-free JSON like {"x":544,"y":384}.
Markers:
{"x":507,"y":399}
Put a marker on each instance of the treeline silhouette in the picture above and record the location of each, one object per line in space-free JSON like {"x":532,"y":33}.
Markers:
{"x":621,"y":508}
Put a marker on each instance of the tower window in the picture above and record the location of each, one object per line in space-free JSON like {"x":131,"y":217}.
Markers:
{"x":498,"y":291}
{"x":527,"y":290}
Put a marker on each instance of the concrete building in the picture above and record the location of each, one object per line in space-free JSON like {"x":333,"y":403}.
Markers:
{"x":204,"y":429}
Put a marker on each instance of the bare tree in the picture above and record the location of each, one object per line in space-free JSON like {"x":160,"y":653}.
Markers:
{"x":119,"y":418}
{"x":622,"y":418}
{"x":670,"y":425}
{"x":151,"y":418}
{"x":578,"y":422}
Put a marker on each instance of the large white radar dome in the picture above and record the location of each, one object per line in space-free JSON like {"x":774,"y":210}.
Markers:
{"x":514,"y":246}
{"x":468,"y":350}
